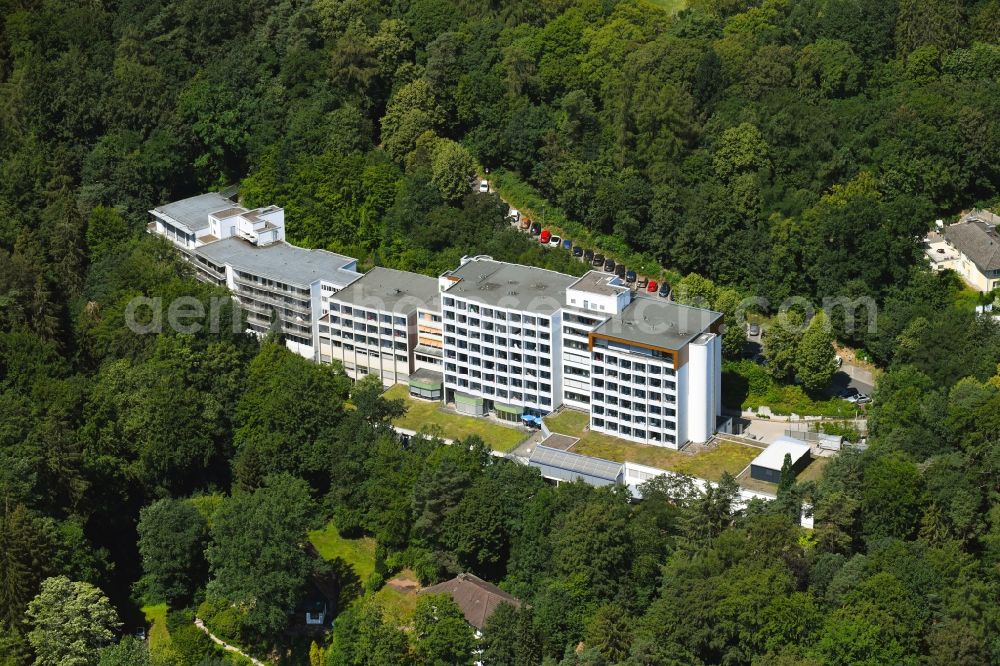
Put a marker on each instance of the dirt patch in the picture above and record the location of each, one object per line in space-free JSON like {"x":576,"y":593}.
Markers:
{"x":404,"y":583}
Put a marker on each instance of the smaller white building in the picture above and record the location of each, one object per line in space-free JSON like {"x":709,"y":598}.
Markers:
{"x":767,"y":466}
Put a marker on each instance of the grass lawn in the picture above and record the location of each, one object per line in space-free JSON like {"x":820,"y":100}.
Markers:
{"x":159,"y":636}
{"x":670,"y":6}
{"x":398,"y":605}
{"x":427,"y":417}
{"x":726,"y":457}
{"x":359,"y":553}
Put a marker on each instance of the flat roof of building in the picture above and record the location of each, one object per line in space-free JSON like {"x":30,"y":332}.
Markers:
{"x":656,"y":322}
{"x":281,"y":261}
{"x":193,"y":212}
{"x":575,"y":464}
{"x":389,"y":290}
{"x":603,"y":284}
{"x":773,"y":457}
{"x":511,"y":286}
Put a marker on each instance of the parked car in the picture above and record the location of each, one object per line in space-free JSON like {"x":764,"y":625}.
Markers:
{"x":652,"y":287}
{"x":620,"y":270}
{"x":536,"y":228}
{"x":588,"y":256}
{"x":753,"y":330}
{"x":484,"y":186}
{"x":848,"y":392}
{"x":598,"y":260}
{"x":545,"y":236}
{"x":514,"y":216}
{"x":567,"y":244}
{"x":555,"y":241}
{"x":609,"y":266}
{"x":641,"y":282}
{"x":577,"y":251}
{"x":664,"y":290}
{"x":838,"y":361}
{"x":630,"y":277}
{"x":863,"y":399}
{"x":525,"y":224}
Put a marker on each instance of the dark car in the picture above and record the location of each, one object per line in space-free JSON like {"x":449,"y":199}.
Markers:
{"x":598,"y":260}
{"x":620,"y":270}
{"x":664,"y":290}
{"x":536,"y":229}
{"x":567,"y":243}
{"x":577,"y":251}
{"x":630,"y":277}
{"x":588,"y":256}
{"x":848,"y":393}
{"x":609,"y":266}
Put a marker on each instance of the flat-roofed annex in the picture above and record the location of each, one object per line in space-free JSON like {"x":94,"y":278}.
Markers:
{"x":510,"y":286}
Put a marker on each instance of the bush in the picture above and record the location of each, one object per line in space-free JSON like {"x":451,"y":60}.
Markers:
{"x":374,"y":583}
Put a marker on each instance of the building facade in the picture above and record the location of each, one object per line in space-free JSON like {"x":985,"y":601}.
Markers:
{"x":280,"y":287}
{"x":502,"y":338}
{"x":372,"y":324}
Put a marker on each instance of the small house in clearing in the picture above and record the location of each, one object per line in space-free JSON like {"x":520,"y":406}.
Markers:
{"x":477,"y":598}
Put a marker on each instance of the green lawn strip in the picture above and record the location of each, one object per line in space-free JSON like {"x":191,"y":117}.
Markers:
{"x":726,"y":457}
{"x":428,"y":417}
{"x":530,"y":202}
{"x":359,"y":553}
{"x":159,"y":635}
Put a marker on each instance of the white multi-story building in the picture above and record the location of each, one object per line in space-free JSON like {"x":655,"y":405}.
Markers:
{"x":488,"y":337}
{"x":373,"y":328}
{"x":280,"y":286}
{"x":502,"y":338}
{"x":655,"y":373}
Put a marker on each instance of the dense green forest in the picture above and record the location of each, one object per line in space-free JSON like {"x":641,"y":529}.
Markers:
{"x":778,"y":148}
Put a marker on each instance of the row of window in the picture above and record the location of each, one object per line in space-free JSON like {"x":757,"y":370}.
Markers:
{"x":630,"y":431}
{"x":368,"y":315}
{"x":488,"y":353}
{"x":634,"y":405}
{"x":272,"y":285}
{"x":500,"y":315}
{"x":388,"y":355}
{"x":502,"y":394}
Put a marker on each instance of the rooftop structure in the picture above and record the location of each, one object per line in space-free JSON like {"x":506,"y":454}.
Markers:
{"x":282,"y":262}
{"x":658,"y":323}
{"x":601,"y":284}
{"x":193,"y":212}
{"x":565,"y":466}
{"x":510,"y":286}
{"x":477,"y":598}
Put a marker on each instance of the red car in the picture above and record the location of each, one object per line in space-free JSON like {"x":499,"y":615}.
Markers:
{"x":544,"y":238}
{"x":651,"y":287}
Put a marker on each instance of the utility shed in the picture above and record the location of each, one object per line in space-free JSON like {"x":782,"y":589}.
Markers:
{"x":562,"y":466}
{"x":767,"y":466}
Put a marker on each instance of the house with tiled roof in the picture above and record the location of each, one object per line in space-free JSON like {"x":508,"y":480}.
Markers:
{"x":477,"y":598}
{"x":977,"y":243}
